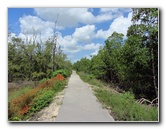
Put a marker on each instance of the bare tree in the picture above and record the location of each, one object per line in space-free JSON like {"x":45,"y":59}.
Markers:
{"x":54,"y":42}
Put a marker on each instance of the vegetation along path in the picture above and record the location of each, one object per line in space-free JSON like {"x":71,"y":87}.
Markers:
{"x":80,"y":105}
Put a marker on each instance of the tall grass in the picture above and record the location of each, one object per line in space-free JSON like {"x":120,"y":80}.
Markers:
{"x":125,"y":108}
{"x":15,"y":92}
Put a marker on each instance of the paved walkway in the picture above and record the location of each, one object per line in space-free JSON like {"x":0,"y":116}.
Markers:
{"x":80,"y":105}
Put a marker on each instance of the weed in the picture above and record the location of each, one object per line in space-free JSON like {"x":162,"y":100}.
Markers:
{"x":125,"y":108}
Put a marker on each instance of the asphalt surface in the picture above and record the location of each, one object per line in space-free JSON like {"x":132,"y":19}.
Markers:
{"x":80,"y":104}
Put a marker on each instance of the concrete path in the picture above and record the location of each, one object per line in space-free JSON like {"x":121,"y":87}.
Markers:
{"x":80,"y":105}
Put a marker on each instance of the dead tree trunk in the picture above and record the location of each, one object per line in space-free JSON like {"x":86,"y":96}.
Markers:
{"x":54,"y":45}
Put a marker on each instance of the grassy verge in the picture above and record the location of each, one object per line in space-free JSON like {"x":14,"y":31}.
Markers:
{"x":30,"y":102}
{"x":15,"y":92}
{"x":123,"y":105}
{"x":90,"y":79}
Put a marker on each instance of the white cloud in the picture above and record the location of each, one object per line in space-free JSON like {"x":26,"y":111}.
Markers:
{"x":92,"y":46}
{"x":95,"y":53}
{"x":71,"y":17}
{"x":34,"y":26}
{"x":68,"y":44}
{"x":115,"y":10}
{"x":85,"y":33}
{"x":119,"y":25}
{"x":68,"y":17}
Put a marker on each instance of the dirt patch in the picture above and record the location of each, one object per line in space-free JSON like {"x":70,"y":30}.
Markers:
{"x":59,"y":77}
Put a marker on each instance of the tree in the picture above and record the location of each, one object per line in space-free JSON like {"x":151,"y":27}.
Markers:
{"x":98,"y":66}
{"x":148,"y":17}
{"x":33,"y":61}
{"x":112,"y":52}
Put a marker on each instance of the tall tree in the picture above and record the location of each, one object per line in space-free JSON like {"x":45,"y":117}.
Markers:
{"x":111,"y":50}
{"x":148,"y":18}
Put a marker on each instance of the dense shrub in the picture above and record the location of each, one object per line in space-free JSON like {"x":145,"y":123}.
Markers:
{"x":64,"y":72}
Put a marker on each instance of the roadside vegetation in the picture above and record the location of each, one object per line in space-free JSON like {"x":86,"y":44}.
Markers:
{"x":32,"y":100}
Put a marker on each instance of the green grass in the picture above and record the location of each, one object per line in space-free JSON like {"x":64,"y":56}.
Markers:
{"x":125,"y":108}
{"x":123,"y":105}
{"x":15,"y":92}
{"x":90,"y":79}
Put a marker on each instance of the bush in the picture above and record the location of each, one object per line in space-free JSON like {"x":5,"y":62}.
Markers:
{"x":41,"y":101}
{"x":64,"y":72}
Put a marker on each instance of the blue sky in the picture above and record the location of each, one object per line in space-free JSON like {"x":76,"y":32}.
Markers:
{"x":81,"y":31}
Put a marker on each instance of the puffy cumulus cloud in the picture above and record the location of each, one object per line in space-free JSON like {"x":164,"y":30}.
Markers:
{"x":67,"y":17}
{"x":68,"y":43}
{"x":35,"y":26}
{"x":92,"y":46}
{"x":85,"y":33}
{"x":33,"y":23}
{"x":119,"y":25}
{"x":71,"y":17}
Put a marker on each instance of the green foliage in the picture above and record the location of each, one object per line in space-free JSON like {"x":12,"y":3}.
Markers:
{"x":15,"y":119}
{"x":125,"y":108}
{"x":42,"y":100}
{"x":38,"y":76}
{"x":82,"y":65}
{"x":64,"y":72}
{"x":33,"y":60}
{"x":46,"y":96}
